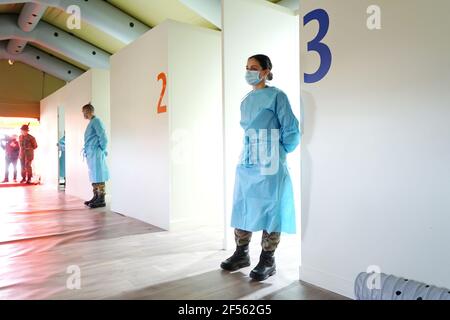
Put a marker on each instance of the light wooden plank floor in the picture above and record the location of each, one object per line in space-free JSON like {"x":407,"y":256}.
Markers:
{"x":44,"y":232}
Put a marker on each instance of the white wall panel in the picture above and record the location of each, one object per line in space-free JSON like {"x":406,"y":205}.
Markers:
{"x":166,"y":166}
{"x":375,"y":152}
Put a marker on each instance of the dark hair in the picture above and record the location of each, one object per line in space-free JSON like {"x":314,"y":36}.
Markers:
{"x":89,"y":107}
{"x":265,"y":63}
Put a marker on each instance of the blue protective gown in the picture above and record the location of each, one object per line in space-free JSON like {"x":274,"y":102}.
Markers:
{"x":265,"y":200}
{"x":95,"y":144}
{"x":62,"y":157}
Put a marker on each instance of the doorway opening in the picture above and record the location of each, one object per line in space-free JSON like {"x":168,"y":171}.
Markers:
{"x":10,"y":164}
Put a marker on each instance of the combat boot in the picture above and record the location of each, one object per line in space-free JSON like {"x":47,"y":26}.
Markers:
{"x":265,"y":268}
{"x":99,"y":202}
{"x":94,"y":197}
{"x":239,"y":259}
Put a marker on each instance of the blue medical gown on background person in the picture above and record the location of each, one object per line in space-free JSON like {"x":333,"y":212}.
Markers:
{"x":95,"y":144}
{"x":62,"y":157}
{"x":265,"y":201}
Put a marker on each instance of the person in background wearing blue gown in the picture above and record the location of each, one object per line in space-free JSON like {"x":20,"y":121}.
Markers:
{"x":263,"y":196}
{"x":62,"y":157}
{"x":95,"y":145}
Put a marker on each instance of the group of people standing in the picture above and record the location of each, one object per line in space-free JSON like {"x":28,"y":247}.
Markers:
{"x":23,"y":150}
{"x":263,"y":199}
{"x":94,"y":151}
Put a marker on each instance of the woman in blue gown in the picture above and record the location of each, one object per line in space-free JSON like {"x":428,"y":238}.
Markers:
{"x":263,"y":196}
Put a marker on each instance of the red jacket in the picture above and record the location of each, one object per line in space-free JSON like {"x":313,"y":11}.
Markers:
{"x":12,"y":149}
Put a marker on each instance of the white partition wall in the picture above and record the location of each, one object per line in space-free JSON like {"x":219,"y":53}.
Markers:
{"x":47,"y":153}
{"x":166,"y":135}
{"x":92,"y":86}
{"x":376,"y":156}
{"x":253,"y":27}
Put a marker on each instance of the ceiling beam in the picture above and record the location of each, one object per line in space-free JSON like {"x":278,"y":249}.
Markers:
{"x":56,"y":40}
{"x":29,"y":17}
{"x":42,"y":61}
{"x":101,"y":15}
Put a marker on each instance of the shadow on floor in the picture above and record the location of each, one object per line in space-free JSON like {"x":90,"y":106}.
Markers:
{"x":213,"y":285}
{"x":303,"y":291}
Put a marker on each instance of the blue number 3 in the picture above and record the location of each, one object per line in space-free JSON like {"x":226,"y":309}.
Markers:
{"x":316,"y":45}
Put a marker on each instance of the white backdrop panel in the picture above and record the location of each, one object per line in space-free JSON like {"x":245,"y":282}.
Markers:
{"x":375,"y":151}
{"x":140,"y":136}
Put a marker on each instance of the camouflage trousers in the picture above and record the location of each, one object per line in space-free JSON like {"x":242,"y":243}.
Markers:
{"x":269,"y":241}
{"x":99,"y":187}
{"x":27,"y":169}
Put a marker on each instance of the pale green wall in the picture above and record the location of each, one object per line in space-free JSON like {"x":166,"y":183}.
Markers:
{"x":21,"y":89}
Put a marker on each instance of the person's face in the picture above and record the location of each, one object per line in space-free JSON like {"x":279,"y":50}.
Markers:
{"x":24,"y":132}
{"x":253,"y":65}
{"x":87,"y":114}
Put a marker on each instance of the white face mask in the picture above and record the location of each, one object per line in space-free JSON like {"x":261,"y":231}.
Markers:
{"x":252,"y":77}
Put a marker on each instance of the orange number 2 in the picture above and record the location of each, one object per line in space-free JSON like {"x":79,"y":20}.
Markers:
{"x":162,"y":76}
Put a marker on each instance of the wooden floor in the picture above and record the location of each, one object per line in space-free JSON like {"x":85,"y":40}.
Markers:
{"x":44,"y":233}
